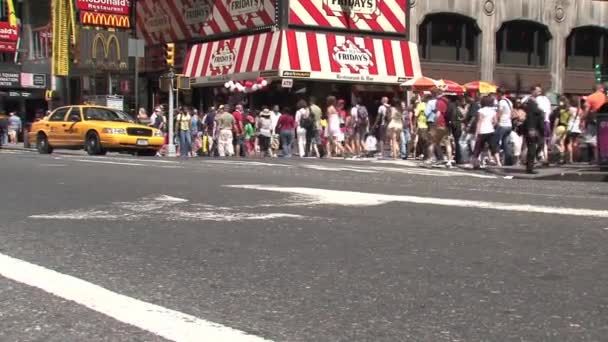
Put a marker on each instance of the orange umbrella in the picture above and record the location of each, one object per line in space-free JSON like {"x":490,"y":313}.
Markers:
{"x":421,"y":83}
{"x":451,"y":87}
{"x":481,"y":87}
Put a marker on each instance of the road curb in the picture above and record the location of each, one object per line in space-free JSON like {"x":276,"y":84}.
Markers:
{"x":17,"y":148}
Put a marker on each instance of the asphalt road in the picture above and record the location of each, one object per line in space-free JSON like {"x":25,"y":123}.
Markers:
{"x":298,"y":250}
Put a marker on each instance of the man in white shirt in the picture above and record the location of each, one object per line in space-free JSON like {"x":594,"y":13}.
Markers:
{"x":505,"y":125}
{"x":544,"y":104}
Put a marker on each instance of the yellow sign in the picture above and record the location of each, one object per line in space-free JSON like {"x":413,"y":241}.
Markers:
{"x":104,"y":19}
{"x":61,"y":37}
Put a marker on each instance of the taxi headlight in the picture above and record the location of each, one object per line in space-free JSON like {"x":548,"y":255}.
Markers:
{"x":115,"y":131}
{"x":158,"y":133}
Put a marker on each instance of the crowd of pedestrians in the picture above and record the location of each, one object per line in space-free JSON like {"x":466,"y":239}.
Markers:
{"x":439,"y":129}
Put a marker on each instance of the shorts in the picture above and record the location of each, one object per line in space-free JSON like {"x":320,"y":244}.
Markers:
{"x":264,"y":143}
{"x":238,"y":140}
{"x":423,"y":134}
{"x":560,"y":132}
{"x":381,"y":133}
{"x":439,"y":135}
{"x":484,"y":139}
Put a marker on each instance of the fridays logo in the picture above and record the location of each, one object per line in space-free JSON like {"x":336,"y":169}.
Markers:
{"x":354,"y":9}
{"x":223,"y":59}
{"x":350,"y":55}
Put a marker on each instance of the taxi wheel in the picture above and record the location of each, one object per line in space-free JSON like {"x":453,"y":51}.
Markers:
{"x":93,"y":145}
{"x":42,"y":144}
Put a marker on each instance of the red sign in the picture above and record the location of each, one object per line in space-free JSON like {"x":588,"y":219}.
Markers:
{"x":8,"y":46}
{"x":104,"y":19}
{"x":8,"y":32}
{"x":106,"y":6}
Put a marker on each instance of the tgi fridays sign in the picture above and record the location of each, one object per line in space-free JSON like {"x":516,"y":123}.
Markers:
{"x":222,"y":60}
{"x":245,"y":7}
{"x":106,"y":6}
{"x":355,"y":9}
{"x":350,"y":55}
{"x":160,"y":21}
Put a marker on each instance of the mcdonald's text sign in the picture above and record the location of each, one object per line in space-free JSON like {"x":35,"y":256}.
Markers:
{"x":104,"y":50}
{"x":104,"y":19}
{"x":106,"y":6}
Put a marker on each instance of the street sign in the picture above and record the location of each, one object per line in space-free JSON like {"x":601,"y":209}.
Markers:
{"x":287,"y":83}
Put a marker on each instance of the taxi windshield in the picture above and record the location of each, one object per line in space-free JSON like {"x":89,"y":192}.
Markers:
{"x":104,"y":114}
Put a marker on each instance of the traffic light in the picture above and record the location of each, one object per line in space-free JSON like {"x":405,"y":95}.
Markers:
{"x":170,"y":54}
{"x":598,"y":73}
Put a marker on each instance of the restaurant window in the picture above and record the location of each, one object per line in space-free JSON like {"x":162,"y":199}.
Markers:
{"x":448,"y":37}
{"x":586,"y":47}
{"x":522,"y":43}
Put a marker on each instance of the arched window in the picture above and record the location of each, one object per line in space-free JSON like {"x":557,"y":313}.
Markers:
{"x":522,"y":43}
{"x":587,"y":46}
{"x":448,"y":37}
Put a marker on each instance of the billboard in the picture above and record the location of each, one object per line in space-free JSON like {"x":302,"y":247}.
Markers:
{"x":381,"y":16}
{"x":104,"y":50}
{"x":160,"y":21}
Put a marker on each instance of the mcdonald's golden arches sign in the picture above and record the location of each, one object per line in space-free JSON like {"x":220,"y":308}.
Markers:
{"x":104,"y":19}
{"x":104,"y":50}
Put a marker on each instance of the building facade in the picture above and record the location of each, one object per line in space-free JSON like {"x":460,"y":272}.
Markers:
{"x":514,"y":43}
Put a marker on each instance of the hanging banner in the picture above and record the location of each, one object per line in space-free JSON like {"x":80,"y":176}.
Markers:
{"x":160,"y":21}
{"x":106,"y":6}
{"x":61,"y":37}
{"x":362,"y":15}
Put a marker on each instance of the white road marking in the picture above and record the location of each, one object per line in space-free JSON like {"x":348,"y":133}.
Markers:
{"x":170,"y":324}
{"x":351,"y":198}
{"x":335,"y":169}
{"x":165,"y":208}
{"x":52,"y":165}
{"x":108,"y":162}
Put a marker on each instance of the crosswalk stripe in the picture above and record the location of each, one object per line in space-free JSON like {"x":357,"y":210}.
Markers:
{"x":170,"y":324}
{"x":352,"y":198}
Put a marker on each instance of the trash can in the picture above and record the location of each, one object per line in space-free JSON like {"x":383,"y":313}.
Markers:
{"x":602,"y":137}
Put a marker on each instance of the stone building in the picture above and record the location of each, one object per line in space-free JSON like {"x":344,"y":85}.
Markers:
{"x":514,"y":43}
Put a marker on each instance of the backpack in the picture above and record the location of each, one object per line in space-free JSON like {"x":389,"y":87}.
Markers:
{"x":453,"y":115}
{"x":362,"y":116}
{"x":307,"y":122}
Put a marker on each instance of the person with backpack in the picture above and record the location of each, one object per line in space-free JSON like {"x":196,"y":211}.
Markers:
{"x":439,"y":128}
{"x":381,"y":123}
{"x":406,"y":133}
{"x":313,"y":129}
{"x":361,"y":125}
{"x":238,"y":131}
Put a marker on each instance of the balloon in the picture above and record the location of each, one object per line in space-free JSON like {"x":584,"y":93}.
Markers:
{"x":264,"y":83}
{"x":260,"y":79}
{"x":227,"y":85}
{"x":248,"y":84}
{"x":233,"y":87}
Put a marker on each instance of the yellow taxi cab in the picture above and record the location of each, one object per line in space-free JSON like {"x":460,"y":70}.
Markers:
{"x":97,"y":129}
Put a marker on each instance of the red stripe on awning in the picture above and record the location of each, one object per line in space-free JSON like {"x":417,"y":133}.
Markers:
{"x":388,"y":57}
{"x":313,"y":51}
{"x":292,"y":47}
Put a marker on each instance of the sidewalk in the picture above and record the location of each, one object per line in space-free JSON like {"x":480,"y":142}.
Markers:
{"x":580,"y":172}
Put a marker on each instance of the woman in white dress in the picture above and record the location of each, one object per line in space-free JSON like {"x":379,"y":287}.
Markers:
{"x":333,"y":129}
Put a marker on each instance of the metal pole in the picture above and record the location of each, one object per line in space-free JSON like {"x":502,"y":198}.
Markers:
{"x":171,"y":151}
{"x":136,"y":81}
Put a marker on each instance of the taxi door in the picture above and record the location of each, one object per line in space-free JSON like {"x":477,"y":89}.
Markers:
{"x":55,"y":127}
{"x":74,"y":130}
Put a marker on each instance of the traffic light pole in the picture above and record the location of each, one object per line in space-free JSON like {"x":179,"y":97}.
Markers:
{"x":171,"y":150}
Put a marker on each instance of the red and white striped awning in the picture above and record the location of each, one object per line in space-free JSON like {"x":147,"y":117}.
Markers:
{"x":304,"y":55}
{"x":233,"y":59}
{"x":348,"y":58}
